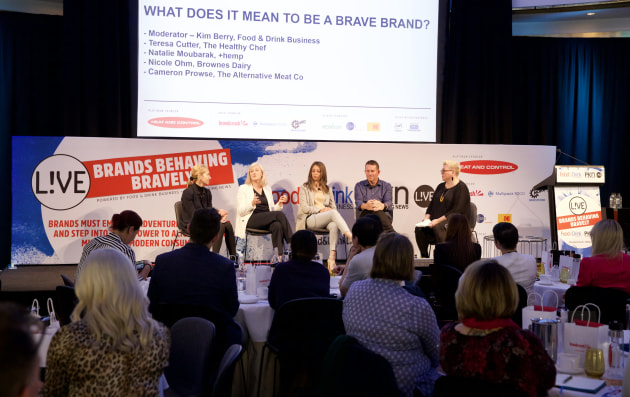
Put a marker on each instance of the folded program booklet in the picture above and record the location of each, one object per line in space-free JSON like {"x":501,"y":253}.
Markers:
{"x":579,"y":383}
{"x":424,"y":223}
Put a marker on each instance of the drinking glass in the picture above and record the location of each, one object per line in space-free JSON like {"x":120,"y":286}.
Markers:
{"x":594,"y":363}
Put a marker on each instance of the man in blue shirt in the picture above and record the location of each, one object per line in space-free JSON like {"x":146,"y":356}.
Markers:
{"x":374,"y":196}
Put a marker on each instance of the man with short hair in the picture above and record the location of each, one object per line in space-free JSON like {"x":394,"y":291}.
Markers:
{"x":194,"y":274}
{"x":521,"y":266}
{"x":365,"y":233}
{"x":300,"y":277}
{"x":374,"y":196}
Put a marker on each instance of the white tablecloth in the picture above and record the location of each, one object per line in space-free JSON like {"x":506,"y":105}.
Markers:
{"x":549,"y":299}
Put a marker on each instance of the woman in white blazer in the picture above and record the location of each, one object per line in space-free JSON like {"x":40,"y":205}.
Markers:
{"x":318,"y":210}
{"x":255,"y":209}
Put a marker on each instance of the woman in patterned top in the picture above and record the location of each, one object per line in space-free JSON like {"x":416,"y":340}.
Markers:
{"x":487,"y":345}
{"x":112,"y":347}
{"x":390,"y":321}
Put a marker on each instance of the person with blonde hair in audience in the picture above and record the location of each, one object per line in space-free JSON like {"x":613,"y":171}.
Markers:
{"x":607,"y":267}
{"x":197,"y":196}
{"x":392,"y":322}
{"x":486,"y":344}
{"x":113,"y":347}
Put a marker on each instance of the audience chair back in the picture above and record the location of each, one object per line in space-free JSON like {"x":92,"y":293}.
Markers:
{"x":522,"y":303}
{"x":65,"y":302}
{"x":611,"y":301}
{"x":190,"y":372}
{"x":223,"y":385}
{"x":66,"y":281}
{"x":181,"y":228}
{"x":365,"y":373}
{"x":445,"y":280}
{"x":300,"y":333}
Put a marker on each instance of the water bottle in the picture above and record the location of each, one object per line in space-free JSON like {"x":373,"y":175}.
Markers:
{"x":287,"y":255}
{"x":618,"y":201}
{"x":612,"y":201}
{"x":615,"y":351}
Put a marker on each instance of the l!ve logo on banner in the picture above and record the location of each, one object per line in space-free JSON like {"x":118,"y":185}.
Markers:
{"x":61,"y":182}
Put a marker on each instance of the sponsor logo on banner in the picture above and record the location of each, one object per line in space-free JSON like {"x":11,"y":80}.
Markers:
{"x":238,"y":123}
{"x":175,"y":122}
{"x":481,"y":218}
{"x":423,"y":196}
{"x":373,"y":127}
{"x":580,"y":218}
{"x":414,"y":127}
{"x":476,"y":193}
{"x":60,"y":182}
{"x":350,"y":126}
{"x":297,"y":124}
{"x":397,"y":203}
{"x":487,"y":167}
{"x":504,"y":218}
{"x":398,"y":127}
{"x":119,"y":176}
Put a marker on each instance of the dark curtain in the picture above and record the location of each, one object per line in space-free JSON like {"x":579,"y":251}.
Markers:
{"x":99,"y":45}
{"x":476,"y":104}
{"x":574,"y":93}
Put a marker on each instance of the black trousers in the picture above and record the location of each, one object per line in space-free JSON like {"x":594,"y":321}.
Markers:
{"x":384,"y":216}
{"x":427,"y":235}
{"x":230,"y":242}
{"x":276,"y":223}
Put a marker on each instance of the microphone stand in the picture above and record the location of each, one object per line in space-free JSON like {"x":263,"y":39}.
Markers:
{"x":560,"y":153}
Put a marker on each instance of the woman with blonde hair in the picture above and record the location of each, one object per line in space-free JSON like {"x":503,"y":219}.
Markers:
{"x":255,"y":208}
{"x":318,"y":210}
{"x":392,"y":322}
{"x":112,"y":346}
{"x":450,"y":197}
{"x":196,"y":196}
{"x":486,"y":344}
{"x":607,"y":267}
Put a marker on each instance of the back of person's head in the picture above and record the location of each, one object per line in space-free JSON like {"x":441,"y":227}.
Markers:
{"x":486,"y":291}
{"x":458,"y":228}
{"x":195,"y":172}
{"x":19,"y":363}
{"x":367,"y":229}
{"x":505,"y":234}
{"x":393,"y":258}
{"x":607,"y":238}
{"x":111,"y":301}
{"x":125,"y":220}
{"x":303,"y":245}
{"x":204,"y":225}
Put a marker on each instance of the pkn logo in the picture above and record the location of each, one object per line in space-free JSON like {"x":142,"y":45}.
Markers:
{"x":423,"y":196}
{"x":577,"y":205}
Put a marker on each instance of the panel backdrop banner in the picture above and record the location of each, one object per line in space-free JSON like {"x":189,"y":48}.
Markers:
{"x":66,"y":189}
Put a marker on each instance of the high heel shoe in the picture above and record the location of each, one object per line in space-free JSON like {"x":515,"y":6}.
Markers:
{"x":331,"y":262}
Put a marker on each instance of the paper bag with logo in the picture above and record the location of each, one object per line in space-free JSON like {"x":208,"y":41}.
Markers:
{"x":581,"y":335}
{"x":263,"y":276}
{"x":538,"y":311}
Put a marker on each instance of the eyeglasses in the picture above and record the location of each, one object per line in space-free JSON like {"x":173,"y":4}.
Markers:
{"x":443,"y":171}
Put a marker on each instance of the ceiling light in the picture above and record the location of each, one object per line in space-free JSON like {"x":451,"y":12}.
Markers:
{"x":590,"y":13}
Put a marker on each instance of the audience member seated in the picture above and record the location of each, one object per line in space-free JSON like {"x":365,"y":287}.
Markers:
{"x":365,"y":232}
{"x":390,"y":321}
{"x":486,"y":344}
{"x":194,"y":274}
{"x":124,"y":229}
{"x":112,"y":347}
{"x":459,"y":250}
{"x":608,"y":267}
{"x":19,"y":362}
{"x":196,"y":196}
{"x":521,"y":266}
{"x":300,"y":277}
{"x":255,"y":209}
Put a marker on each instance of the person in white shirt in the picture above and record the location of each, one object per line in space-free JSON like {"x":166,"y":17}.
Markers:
{"x":521,"y":266}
